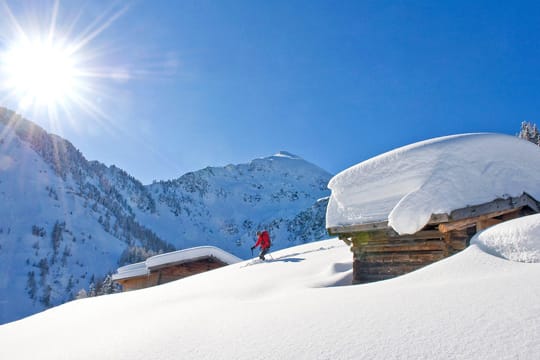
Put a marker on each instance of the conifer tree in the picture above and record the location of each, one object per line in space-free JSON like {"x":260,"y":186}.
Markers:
{"x":31,"y":285}
{"x":529,"y":132}
{"x":81,"y":294}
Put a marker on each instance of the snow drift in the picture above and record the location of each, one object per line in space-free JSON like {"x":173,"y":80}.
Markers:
{"x":409,"y":184}
{"x":516,"y":240}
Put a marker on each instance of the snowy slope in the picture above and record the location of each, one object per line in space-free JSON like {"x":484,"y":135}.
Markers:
{"x":472,"y":305}
{"x":406,"y":186}
{"x":51,"y":243}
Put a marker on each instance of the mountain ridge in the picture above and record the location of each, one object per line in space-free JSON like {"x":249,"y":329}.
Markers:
{"x":68,"y":222}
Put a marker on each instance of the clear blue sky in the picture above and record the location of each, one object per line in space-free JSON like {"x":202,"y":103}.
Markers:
{"x":208,"y":83}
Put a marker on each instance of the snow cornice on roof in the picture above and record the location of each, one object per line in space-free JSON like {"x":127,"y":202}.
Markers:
{"x":192,"y":254}
{"x":174,"y":258}
{"x":405,"y":187}
{"x":131,"y":271}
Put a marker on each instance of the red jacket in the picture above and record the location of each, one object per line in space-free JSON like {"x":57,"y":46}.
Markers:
{"x":263,"y":240}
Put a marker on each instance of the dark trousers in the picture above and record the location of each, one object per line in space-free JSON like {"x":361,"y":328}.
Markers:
{"x":263,"y":252}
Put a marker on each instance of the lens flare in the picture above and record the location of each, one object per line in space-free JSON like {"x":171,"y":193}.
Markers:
{"x":46,"y":66}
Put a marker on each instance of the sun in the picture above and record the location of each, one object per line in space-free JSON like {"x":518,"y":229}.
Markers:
{"x":52,"y":65}
{"x":41,"y":72}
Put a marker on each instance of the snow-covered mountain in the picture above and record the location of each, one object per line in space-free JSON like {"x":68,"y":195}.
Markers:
{"x":65,"y":222}
{"x":225,"y":206}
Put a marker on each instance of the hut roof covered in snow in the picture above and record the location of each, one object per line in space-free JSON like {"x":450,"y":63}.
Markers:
{"x":171,"y":266}
{"x":406,"y":186}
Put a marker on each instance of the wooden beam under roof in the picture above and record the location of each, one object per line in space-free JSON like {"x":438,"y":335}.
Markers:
{"x":497,"y":205}
{"x":380,"y":225}
{"x":473,"y":221}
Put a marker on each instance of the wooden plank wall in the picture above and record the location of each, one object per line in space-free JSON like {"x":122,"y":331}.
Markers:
{"x":170,"y":273}
{"x":380,"y":255}
{"x":140,"y":282}
{"x":180,"y":271}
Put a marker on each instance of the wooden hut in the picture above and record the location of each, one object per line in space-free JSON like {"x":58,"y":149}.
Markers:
{"x":172,"y":266}
{"x":380,"y":253}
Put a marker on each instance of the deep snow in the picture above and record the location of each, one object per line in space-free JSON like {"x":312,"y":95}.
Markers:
{"x":473,"y":305}
{"x":517,"y":240}
{"x":407,"y":185}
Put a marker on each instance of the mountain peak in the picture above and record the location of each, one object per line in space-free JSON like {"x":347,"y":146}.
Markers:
{"x":287,"y":154}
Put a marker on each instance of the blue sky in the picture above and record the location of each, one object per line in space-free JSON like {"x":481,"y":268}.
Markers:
{"x":208,"y":83}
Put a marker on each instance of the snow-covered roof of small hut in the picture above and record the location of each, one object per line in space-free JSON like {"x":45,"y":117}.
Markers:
{"x":407,"y":185}
{"x":174,"y":258}
{"x":192,"y":254}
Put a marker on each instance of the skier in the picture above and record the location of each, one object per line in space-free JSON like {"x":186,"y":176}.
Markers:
{"x":263,"y":240}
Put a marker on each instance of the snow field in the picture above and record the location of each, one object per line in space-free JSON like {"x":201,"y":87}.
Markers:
{"x":470,"y":306}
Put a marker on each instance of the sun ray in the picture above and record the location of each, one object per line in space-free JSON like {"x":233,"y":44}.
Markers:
{"x":96,"y":28}
{"x":52,"y":26}
{"x":12,"y":19}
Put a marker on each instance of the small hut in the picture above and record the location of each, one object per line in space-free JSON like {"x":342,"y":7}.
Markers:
{"x":415,"y":205}
{"x":172,"y":266}
{"x":381,"y":253}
